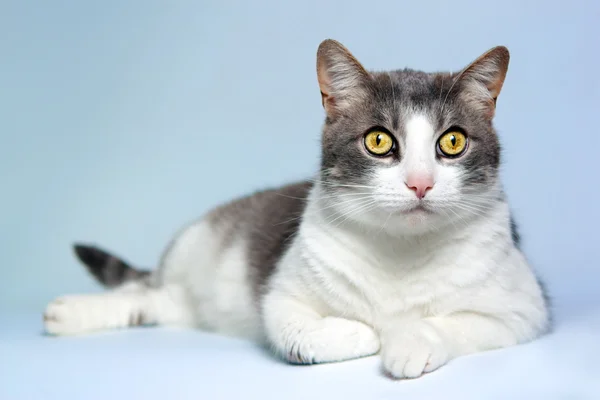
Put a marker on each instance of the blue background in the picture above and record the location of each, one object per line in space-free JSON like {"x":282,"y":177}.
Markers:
{"x":122,"y":120}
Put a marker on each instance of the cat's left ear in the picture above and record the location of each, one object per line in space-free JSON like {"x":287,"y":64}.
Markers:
{"x":482,"y":81}
{"x":342,"y":79}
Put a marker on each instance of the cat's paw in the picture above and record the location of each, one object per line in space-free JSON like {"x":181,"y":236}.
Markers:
{"x":413,"y":351}
{"x":70,"y":315}
{"x":333,"y":339}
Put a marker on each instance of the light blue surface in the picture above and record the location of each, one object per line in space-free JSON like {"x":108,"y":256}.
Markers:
{"x":176,"y":364}
{"x":121,"y":120}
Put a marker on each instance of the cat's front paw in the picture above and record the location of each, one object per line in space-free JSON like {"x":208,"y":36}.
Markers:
{"x":64,"y":316}
{"x":413,"y":350}
{"x":75,"y":314}
{"x":333,"y":339}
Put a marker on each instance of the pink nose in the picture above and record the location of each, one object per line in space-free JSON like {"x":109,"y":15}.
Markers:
{"x":420,"y":184}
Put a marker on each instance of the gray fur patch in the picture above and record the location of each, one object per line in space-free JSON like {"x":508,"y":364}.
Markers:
{"x":392,"y":97}
{"x":267,"y":220}
{"x":356,"y":101}
{"x":108,"y":269}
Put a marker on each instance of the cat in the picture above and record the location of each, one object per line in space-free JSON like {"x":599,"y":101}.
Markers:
{"x":403,"y":245}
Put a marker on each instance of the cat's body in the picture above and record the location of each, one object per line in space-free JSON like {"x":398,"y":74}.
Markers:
{"x":395,"y":246}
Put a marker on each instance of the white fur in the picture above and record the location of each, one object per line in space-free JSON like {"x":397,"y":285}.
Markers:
{"x":382,"y":204}
{"x":402,"y":275}
{"x":418,"y":159}
{"x":362,"y":276}
{"x":427,"y":302}
{"x":132,"y":304}
{"x":200,"y":287}
{"x":216,"y":280}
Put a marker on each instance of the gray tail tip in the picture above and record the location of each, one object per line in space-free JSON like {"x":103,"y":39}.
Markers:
{"x":107,"y":268}
{"x":91,"y":255}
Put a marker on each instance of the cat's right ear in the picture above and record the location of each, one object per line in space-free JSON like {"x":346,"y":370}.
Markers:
{"x":342,"y":79}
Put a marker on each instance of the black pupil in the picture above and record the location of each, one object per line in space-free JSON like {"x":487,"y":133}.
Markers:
{"x":378,"y":140}
{"x":453,"y":140}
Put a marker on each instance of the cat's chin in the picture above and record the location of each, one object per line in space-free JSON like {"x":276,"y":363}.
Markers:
{"x":420,"y":210}
{"x":397,"y":221}
{"x":418,"y":218}
{"x":417,"y":210}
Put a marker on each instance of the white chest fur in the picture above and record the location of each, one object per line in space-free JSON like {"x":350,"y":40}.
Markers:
{"x":372,"y":277}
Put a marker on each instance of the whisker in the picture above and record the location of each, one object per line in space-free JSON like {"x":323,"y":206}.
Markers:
{"x":333,"y":196}
{"x":289,"y":220}
{"x":358,"y":211}
{"x":475,"y":206}
{"x":350,"y":202}
{"x":385,"y":223}
{"x":447,"y":215}
{"x":349,"y":213}
{"x":291,"y":197}
{"x":351,"y":185}
{"x":471,"y":210}
{"x":347,"y":201}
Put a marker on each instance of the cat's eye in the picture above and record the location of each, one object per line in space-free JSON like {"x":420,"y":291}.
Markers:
{"x":452,"y":143}
{"x":379,"y":143}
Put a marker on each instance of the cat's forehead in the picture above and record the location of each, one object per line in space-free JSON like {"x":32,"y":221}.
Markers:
{"x":408,"y":84}
{"x":407,"y":78}
{"x":400,"y":95}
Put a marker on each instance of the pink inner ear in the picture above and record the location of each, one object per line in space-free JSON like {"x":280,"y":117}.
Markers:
{"x":487,"y":74}
{"x":327,"y":100}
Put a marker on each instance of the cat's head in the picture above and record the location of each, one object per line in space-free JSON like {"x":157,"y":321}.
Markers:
{"x":414,"y":149}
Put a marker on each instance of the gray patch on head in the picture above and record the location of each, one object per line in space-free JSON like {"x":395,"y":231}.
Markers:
{"x":391,"y":98}
{"x":269,"y":219}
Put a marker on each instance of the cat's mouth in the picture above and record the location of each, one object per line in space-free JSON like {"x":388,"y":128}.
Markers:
{"x":418,"y":209}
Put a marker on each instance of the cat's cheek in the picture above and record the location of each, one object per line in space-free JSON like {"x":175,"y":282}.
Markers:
{"x":448,"y":181}
{"x":412,"y":350}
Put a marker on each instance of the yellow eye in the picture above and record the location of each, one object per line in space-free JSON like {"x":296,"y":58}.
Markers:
{"x":452,"y":144}
{"x":379,"y":143}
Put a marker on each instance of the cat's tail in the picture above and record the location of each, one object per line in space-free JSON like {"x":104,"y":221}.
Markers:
{"x":108,"y":269}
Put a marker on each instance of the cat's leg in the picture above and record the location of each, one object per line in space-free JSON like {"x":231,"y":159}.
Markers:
{"x":132,"y":304}
{"x":411,"y":348}
{"x":301,"y":335}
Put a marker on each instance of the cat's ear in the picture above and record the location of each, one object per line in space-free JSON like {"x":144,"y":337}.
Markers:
{"x":482,"y":80}
{"x":342,"y":79}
